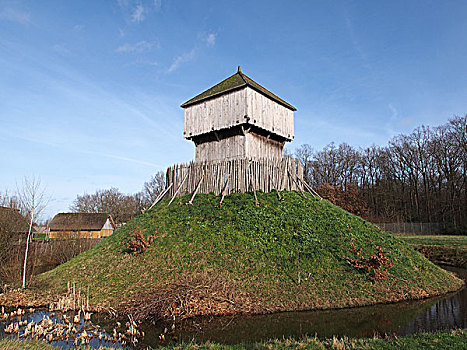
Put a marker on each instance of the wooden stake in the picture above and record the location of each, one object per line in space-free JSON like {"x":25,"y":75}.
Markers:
{"x":296,"y":184}
{"x":160,"y":196}
{"x":254,"y":192}
{"x":310,"y":189}
{"x":178,"y":189}
{"x":196,"y":191}
{"x":275,"y":188}
{"x":226,"y":186}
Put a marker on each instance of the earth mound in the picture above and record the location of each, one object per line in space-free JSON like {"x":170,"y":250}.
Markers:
{"x":201,"y":259}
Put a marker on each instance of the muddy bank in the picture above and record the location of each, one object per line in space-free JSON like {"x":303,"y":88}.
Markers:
{"x":444,"y":255}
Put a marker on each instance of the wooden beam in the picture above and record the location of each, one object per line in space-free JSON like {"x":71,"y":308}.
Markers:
{"x":275,"y":188}
{"x":296,"y":183}
{"x":196,"y":191}
{"x":160,"y":196}
{"x":178,"y":189}
{"x":254,"y":192}
{"x":226,"y":186}
{"x":310,"y":189}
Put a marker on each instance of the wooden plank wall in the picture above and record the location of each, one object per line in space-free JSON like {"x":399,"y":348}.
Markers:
{"x":265,"y":174}
{"x":269,"y":115}
{"x":236,"y":108}
{"x":229,"y":148}
{"x":258,"y":147}
{"x":218,"y":113}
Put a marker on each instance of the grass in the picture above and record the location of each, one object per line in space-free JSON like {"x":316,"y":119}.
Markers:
{"x":290,"y":255}
{"x":450,"y":250}
{"x":441,"y":340}
{"x":452,"y":340}
{"x":453,"y":241}
{"x":40,"y":236}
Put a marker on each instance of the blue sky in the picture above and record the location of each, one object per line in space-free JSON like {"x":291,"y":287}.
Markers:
{"x":90,"y":90}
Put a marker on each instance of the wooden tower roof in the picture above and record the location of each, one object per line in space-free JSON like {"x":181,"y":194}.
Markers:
{"x":235,"y":82}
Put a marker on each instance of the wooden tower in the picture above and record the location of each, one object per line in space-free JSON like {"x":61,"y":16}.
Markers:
{"x":238,"y":119}
{"x":239,"y":129}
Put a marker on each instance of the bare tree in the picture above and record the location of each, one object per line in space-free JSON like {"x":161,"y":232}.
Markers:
{"x":420,"y":176}
{"x":305,"y":155}
{"x":153,"y":187}
{"x":122,"y":207}
{"x":32,"y":201}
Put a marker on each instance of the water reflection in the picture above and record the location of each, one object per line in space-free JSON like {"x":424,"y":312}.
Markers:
{"x":402,"y":319}
{"x":61,"y":329}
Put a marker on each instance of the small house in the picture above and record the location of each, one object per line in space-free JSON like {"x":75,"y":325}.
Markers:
{"x":81,"y":225}
{"x":13,"y":224}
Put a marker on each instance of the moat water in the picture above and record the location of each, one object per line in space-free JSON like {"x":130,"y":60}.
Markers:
{"x":446,"y":312}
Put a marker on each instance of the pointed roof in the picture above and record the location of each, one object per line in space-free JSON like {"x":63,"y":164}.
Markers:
{"x":235,"y":82}
{"x":79,"y":221}
{"x":12,"y":221}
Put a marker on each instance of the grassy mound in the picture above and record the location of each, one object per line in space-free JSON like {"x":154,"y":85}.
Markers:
{"x":289,"y":255}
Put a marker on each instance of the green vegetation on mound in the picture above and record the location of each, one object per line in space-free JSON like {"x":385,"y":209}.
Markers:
{"x":289,"y":255}
{"x":450,"y":250}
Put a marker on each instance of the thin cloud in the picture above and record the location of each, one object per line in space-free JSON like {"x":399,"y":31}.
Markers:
{"x":137,"y":11}
{"x":122,"y":3}
{"x":140,"y":62}
{"x":157,"y":5}
{"x":138,"y":47}
{"x":83,"y":151}
{"x":78,"y":28}
{"x":13,"y":15}
{"x":138,"y":14}
{"x":179,"y":60}
{"x":126,"y":159}
{"x":211,"y":40}
{"x":394,"y":112}
{"x":60,"y":49}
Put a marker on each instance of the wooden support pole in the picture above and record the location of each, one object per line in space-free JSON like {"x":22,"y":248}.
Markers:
{"x":160,"y":196}
{"x":275,"y":188}
{"x":226,"y":186}
{"x":310,"y":189}
{"x":155,"y":201}
{"x":196,"y":191}
{"x":254,"y":192}
{"x":296,"y":183}
{"x":178,"y":189}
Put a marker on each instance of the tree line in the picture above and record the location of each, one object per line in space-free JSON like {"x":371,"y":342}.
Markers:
{"x":418,"y":177}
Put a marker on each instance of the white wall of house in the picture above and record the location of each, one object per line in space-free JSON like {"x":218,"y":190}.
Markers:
{"x":107,"y":225}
